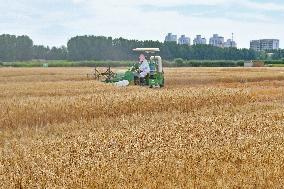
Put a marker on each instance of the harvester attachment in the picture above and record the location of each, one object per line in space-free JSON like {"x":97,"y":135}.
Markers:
{"x":106,"y":76}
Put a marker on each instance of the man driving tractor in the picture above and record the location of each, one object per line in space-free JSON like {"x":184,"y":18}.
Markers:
{"x":143,"y":69}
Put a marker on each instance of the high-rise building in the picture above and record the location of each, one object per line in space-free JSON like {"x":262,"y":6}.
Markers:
{"x":230,"y":43}
{"x":199,"y":40}
{"x":171,"y":38}
{"x":217,"y":41}
{"x":183,"y":40}
{"x":255,"y":45}
{"x":264,"y":44}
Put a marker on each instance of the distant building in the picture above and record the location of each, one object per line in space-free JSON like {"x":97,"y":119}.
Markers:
{"x":264,"y":44}
{"x":199,"y":40}
{"x":217,"y":41}
{"x":171,"y":38}
{"x":255,"y":45}
{"x":254,"y":63}
{"x":230,"y":43}
{"x":183,"y":40}
{"x":248,"y":64}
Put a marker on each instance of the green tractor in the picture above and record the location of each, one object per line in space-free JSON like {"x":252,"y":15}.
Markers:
{"x":155,"y":78}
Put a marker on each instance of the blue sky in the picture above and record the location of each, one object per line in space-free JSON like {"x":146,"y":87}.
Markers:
{"x":54,"y":22}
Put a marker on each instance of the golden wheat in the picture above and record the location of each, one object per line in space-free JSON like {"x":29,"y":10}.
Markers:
{"x":209,"y":128}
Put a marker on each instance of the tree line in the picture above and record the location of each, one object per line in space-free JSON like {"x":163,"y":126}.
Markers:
{"x":106,"y":48}
{"x":20,"y":48}
{"x":15,"y":48}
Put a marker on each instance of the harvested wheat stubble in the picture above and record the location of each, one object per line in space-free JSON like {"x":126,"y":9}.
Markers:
{"x":209,"y":128}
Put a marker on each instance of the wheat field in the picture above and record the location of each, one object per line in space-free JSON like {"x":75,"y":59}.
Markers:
{"x":208,"y":128}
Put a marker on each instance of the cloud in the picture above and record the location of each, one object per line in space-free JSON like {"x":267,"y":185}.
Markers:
{"x":54,"y":22}
{"x":270,"y":6}
{"x":128,"y":19}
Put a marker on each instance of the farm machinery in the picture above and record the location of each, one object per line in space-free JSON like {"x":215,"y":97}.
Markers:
{"x":155,"y":77}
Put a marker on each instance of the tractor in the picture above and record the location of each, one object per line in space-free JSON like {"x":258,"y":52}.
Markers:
{"x":155,"y":78}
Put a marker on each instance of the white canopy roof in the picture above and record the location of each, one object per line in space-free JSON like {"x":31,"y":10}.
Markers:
{"x":147,"y":50}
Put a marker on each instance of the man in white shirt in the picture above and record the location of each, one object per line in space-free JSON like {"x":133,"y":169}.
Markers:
{"x":144,"y":67}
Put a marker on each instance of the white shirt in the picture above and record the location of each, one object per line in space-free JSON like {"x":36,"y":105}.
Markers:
{"x":144,"y":68}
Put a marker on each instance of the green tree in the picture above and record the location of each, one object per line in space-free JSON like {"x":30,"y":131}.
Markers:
{"x":14,"y":48}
